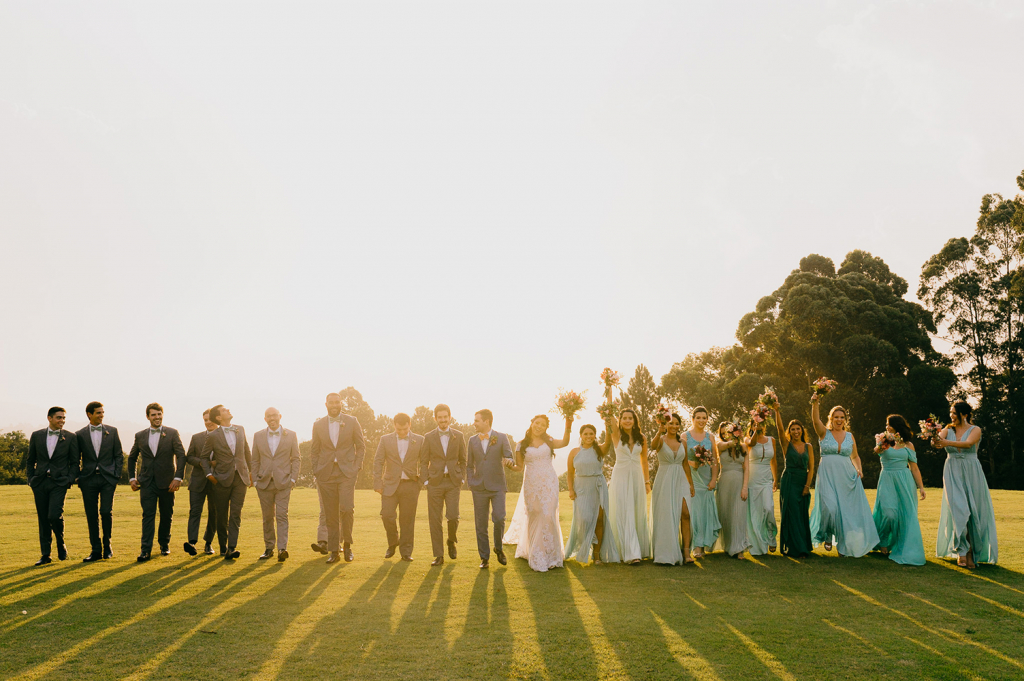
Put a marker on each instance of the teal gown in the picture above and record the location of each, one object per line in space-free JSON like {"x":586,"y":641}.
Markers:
{"x":967,"y":519}
{"x":732,"y":509}
{"x":841,"y":512}
{"x":671,"y":489}
{"x":591,"y":498}
{"x":627,"y":501}
{"x":896,"y":508}
{"x":703,"y":509}
{"x":795,"y":528}
{"x":761,"y":528}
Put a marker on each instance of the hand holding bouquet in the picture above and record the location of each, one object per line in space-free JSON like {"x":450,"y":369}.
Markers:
{"x":761,"y":414}
{"x":610,"y":378}
{"x":702,"y":455}
{"x":731,"y":431}
{"x":608,"y":411}
{"x":570,"y":402}
{"x":768,"y":398}
{"x":822,"y":386}
{"x":884,"y":441}
{"x":930,"y":428}
{"x":662,"y":414}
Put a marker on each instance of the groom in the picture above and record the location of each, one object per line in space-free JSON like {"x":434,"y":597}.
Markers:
{"x":489,"y":454}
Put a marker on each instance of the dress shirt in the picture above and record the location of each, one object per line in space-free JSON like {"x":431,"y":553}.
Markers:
{"x":335,"y":428}
{"x":51,"y":441}
{"x":97,"y":438}
{"x":154,"y":439}
{"x":273,"y":440}
{"x":229,"y":435}
{"x":403,"y":449}
{"x":484,"y":439}
{"x":445,"y":435}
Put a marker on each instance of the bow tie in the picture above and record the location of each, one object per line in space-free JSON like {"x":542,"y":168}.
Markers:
{"x":231,"y":428}
{"x":444,"y":432}
{"x":95,"y":428}
{"x":483,"y":436}
{"x":334,"y":419}
{"x":52,"y":432}
{"x":154,"y":431}
{"x":274,"y":432}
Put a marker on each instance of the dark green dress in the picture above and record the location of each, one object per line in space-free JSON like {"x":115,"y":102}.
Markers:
{"x":796,"y":528}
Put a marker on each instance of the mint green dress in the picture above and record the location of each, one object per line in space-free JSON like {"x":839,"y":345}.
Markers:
{"x":671,"y":489}
{"x":761,"y":527}
{"x":703,"y":509}
{"x":627,"y":503}
{"x":896,"y":508}
{"x":841,"y":512}
{"x":967,"y":519}
{"x":591,"y":498}
{"x":732,"y":509}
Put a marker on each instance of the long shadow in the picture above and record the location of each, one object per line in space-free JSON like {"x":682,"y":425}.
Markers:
{"x":88,"y":575}
{"x":560,"y":626}
{"x":485,"y":647}
{"x":422,"y":625}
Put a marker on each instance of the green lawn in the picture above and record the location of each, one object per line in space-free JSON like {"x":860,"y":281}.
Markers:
{"x":203,"y":618}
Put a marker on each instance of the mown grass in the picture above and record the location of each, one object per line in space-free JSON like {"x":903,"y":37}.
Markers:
{"x":204,"y":618}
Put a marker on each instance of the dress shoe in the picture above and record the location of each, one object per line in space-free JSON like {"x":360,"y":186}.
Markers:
{"x":348,"y":554}
{"x":269,"y":553}
{"x":484,"y":564}
{"x":208,"y":550}
{"x":223,"y":550}
{"x":93,"y":557}
{"x":319,"y":547}
{"x":334,"y":558}
{"x":165,"y":550}
{"x":390,"y":553}
{"x":190,"y":549}
{"x":452,"y":553}
{"x":107,"y":553}
{"x":231,"y":554}
{"x":501,"y":557}
{"x":143,"y":557}
{"x":62,"y":552}
{"x":282,"y":556}
{"x":407,"y":559}
{"x":44,"y":561}
{"x":436,"y":562}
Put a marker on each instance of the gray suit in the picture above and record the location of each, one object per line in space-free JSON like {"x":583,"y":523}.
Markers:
{"x":446,"y":469}
{"x":486,"y":474}
{"x":275,"y":475}
{"x":231,"y":471}
{"x":398,"y":496}
{"x":336,"y":465}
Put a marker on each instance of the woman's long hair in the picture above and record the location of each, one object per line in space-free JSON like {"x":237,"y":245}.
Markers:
{"x":596,"y":447}
{"x":529,"y":436}
{"x":803,"y":431}
{"x":899,"y":424}
{"x":833,"y":410}
{"x":636,"y":436}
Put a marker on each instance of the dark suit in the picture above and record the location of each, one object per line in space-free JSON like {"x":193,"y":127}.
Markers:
{"x":156,"y":471}
{"x":200,"y":491}
{"x":231,"y":470}
{"x":99,"y":473}
{"x":486,"y":474}
{"x":445,"y":469}
{"x":398,"y":480}
{"x":50,"y":477}
{"x":336,"y":466}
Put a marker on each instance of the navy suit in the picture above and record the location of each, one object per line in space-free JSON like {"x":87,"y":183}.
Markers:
{"x":50,"y":477}
{"x":98,"y":475}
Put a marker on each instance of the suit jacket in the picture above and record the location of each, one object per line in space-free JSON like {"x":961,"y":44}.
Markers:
{"x":349,"y":451}
{"x":223,"y":461}
{"x":198,"y":467}
{"x":388,"y":465}
{"x":485,"y":467}
{"x":62,"y":467}
{"x":280,"y":468}
{"x":110,"y":458}
{"x":159,"y":467}
{"x":435,"y":459}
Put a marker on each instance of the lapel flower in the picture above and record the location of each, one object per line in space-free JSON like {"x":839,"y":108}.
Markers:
{"x":493,"y":440}
{"x":163,"y":434}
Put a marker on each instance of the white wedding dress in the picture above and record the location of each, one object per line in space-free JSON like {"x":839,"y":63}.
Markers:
{"x":535,"y":528}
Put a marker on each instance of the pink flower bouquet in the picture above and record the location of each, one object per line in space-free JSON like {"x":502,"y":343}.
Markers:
{"x":884,"y":441}
{"x":610,"y":378}
{"x":570,"y":402}
{"x":702,"y":455}
{"x":823,"y":386}
{"x":930,"y":427}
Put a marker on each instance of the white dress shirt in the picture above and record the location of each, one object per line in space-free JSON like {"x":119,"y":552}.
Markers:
{"x":445,"y":435}
{"x":273,"y":440}
{"x":154,"y":439}
{"x":403,"y":449}
{"x":51,"y":441}
{"x":335,"y":429}
{"x":97,"y":439}
{"x":232,"y":439}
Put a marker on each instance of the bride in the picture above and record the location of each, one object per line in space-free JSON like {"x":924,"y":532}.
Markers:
{"x":534,"y":527}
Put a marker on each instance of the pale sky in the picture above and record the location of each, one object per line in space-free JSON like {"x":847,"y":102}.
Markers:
{"x":475,"y":203}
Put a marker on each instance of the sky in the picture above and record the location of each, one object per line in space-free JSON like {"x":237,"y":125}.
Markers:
{"x":475,"y":203}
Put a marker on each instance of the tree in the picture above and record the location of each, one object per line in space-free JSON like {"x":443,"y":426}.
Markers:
{"x":13,"y":458}
{"x":642,"y":396}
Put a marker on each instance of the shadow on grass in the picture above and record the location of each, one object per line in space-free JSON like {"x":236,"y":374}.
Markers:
{"x":484,"y":648}
{"x":559,"y":626}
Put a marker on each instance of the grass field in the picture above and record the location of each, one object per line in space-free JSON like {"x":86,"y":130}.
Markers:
{"x":774,"y":617}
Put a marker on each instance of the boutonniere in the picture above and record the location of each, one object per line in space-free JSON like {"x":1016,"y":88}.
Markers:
{"x":493,"y":440}
{"x":163,"y":434}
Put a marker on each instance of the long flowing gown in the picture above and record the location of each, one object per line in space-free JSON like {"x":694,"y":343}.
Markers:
{"x":896,"y":508}
{"x":761,"y":528}
{"x":795,"y":531}
{"x":535,"y":528}
{"x":627,"y":499}
{"x":703,"y":510}
{"x":841,"y":512}
{"x":732,"y":509}
{"x":967,"y":519}
{"x":671,"y":489}
{"x":591,"y":498}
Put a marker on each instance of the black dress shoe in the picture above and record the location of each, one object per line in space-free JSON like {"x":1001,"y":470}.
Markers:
{"x":436,"y":562}
{"x":223,"y":551}
{"x":390,"y":553}
{"x":407,"y":559}
{"x":231,"y":554}
{"x":282,"y":556}
{"x":190,"y":549}
{"x":269,"y":553}
{"x":107,"y":553}
{"x":44,"y":561}
{"x":62,"y":552}
{"x":452,"y":553}
{"x":143,"y":557}
{"x":93,"y":557}
{"x":209,"y":549}
{"x":501,"y":557}
{"x":319,"y":547}
{"x":348,"y":554}
{"x":165,"y":550}
{"x":484,"y":564}
{"x":334,"y":558}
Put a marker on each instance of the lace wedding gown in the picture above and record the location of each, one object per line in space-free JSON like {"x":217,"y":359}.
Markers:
{"x":534,"y":527}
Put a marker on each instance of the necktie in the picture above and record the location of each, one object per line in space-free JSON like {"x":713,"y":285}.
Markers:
{"x":93,"y":429}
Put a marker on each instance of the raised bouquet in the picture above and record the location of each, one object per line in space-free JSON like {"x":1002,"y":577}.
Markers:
{"x":662,"y":414}
{"x":610,"y":378}
{"x":608,"y":411}
{"x":823,"y":386}
{"x":732,"y":431}
{"x":768,"y":398}
{"x":702,"y":455}
{"x":884,"y":441}
{"x":761,"y":414}
{"x":570,"y":402}
{"x":930,"y":427}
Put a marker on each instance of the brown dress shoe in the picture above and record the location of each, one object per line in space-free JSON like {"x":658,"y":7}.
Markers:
{"x":334,"y":558}
{"x":436,"y":562}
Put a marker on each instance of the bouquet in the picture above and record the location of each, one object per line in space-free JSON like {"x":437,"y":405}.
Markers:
{"x":662,"y":414}
{"x":930,"y":427}
{"x":570,"y":402}
{"x":884,"y":441}
{"x":768,"y":398}
{"x":608,"y":411}
{"x":732,"y":431}
{"x":823,"y":386}
{"x":702,"y":455}
{"x":610,"y":378}
{"x":761,"y":414}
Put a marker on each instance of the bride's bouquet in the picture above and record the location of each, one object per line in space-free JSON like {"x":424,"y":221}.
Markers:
{"x":702,"y":455}
{"x":823,"y":386}
{"x":570,"y":402}
{"x":610,"y":378}
{"x":884,"y":441}
{"x":930,"y":427}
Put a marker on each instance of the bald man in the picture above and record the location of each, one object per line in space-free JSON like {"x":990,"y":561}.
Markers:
{"x":275,"y":468}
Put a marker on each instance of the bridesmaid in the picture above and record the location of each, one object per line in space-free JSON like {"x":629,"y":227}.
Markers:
{"x":703,"y":511}
{"x":763,"y":480}
{"x":967,"y":522}
{"x":670,"y":513}
{"x":730,"y":498}
{"x":841,"y":512}
{"x":589,"y":493}
{"x":627,"y":491}
{"x":899,"y":531}
{"x":795,"y":489}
